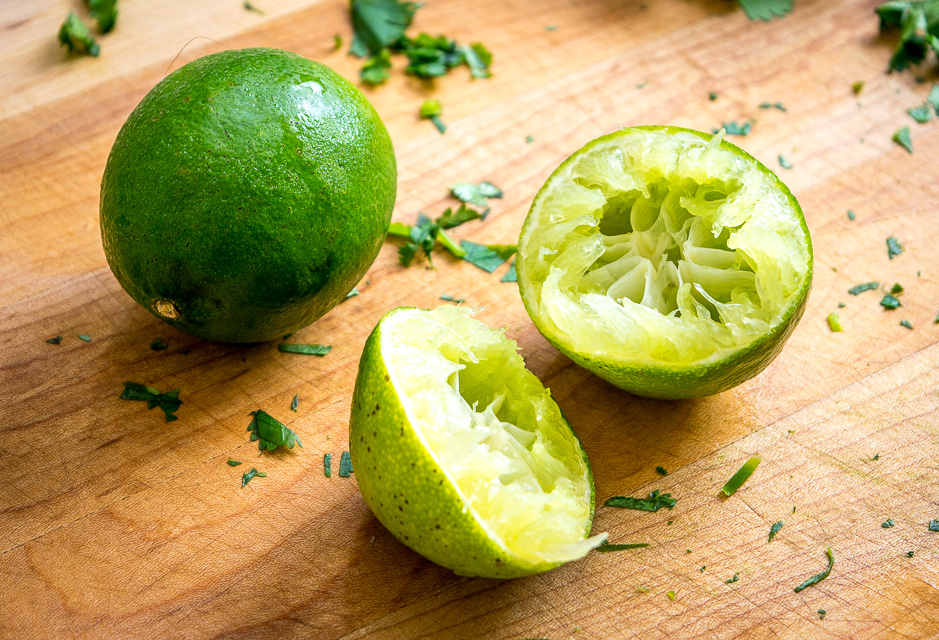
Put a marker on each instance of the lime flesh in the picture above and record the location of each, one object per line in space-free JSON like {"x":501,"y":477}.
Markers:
{"x":461,"y":452}
{"x":667,"y":261}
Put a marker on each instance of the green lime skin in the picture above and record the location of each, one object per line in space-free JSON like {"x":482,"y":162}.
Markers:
{"x":406,"y":489}
{"x":246,"y":195}
{"x":675,"y":380}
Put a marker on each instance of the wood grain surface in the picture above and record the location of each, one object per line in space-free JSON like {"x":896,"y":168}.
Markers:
{"x":117,"y":524}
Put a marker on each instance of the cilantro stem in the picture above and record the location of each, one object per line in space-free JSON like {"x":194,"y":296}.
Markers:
{"x":736,"y":481}
{"x":450,"y":245}
{"x":821,"y":576}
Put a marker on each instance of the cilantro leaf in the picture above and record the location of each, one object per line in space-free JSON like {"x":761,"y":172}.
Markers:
{"x":476,"y":194}
{"x":890,"y":302}
{"x":888,"y":523}
{"x":55,"y":340}
{"x":487,"y":257}
{"x":375,"y":70}
{"x":821,"y":576}
{"x":105,"y":12}
{"x":765,"y":10}
{"x":295,"y":402}
{"x":654,"y":502}
{"x":168,"y":402}
{"x":450,"y":218}
{"x":921,"y":114}
{"x":448,"y":298}
{"x":250,"y":475}
{"x":429,"y":56}
{"x":894,"y":248}
{"x":378,"y":24}
{"x":773,"y":530}
{"x":735,"y":129}
{"x":306,"y":349}
{"x":906,"y":323}
{"x":785,"y":164}
{"x":75,"y":35}
{"x":233,"y":463}
{"x":345,"y":465}
{"x":511,"y":275}
{"x":902,"y":138}
{"x":270,"y":433}
{"x":861,"y":288}
{"x":328,"y":465}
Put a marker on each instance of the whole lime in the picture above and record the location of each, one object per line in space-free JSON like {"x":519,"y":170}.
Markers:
{"x":246,"y":195}
{"x":667,"y":261}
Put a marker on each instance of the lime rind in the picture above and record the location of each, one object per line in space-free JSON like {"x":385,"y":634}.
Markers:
{"x":655,"y":249}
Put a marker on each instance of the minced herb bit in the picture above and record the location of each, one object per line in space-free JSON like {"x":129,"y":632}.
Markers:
{"x":168,"y":402}
{"x":75,"y":35}
{"x":735,"y":129}
{"x":906,"y":323}
{"x":337,"y":42}
{"x":861,"y":288}
{"x":772,"y":105}
{"x":295,"y":402}
{"x":876,"y":456}
{"x":661,"y":471}
{"x":857,"y":87}
{"x":642,"y":589}
{"x":233,"y":463}
{"x":345,"y":465}
{"x":654,"y":502}
{"x":934,"y":525}
{"x":247,"y":477}
{"x":902,"y":138}
{"x":55,"y":340}
{"x":921,"y":114}
{"x":529,"y":139}
{"x":890,"y":302}
{"x":734,"y":579}
{"x":765,"y":10}
{"x":888,"y":523}
{"x":736,"y":481}
{"x":606,"y":548}
{"x":84,"y":337}
{"x":511,"y":275}
{"x":896,"y":288}
{"x":432,"y":110}
{"x":785,"y":164}
{"x":487,"y":257}
{"x":834,"y":322}
{"x":910,"y":554}
{"x":104,"y":12}
{"x":670,"y":594}
{"x":328,"y":465}
{"x":447,"y":298}
{"x":851,"y":215}
{"x":270,"y":433}
{"x":158,"y":344}
{"x":933,"y":98}
{"x":819,"y":577}
{"x":703,"y":568}
{"x":894,"y":248}
{"x":478,"y":195}
{"x":306,"y":349}
{"x":773,"y":530}
{"x":821,"y":614}
{"x":250,"y":7}
{"x":353,"y":293}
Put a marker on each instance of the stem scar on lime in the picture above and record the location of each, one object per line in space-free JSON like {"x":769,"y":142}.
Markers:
{"x":667,"y":261}
{"x":462,"y":453}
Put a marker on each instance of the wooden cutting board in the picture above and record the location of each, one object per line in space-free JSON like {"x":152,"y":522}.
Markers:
{"x":116,"y":523}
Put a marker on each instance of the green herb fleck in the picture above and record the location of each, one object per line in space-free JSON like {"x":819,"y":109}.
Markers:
{"x":735,"y":129}
{"x":712,"y":96}
{"x":355,"y":292}
{"x":250,"y":7}
{"x":337,"y":42}
{"x":511,"y":275}
{"x":642,"y":589}
{"x":328,"y":465}
{"x":773,"y":530}
{"x":432,"y":110}
{"x":75,"y":35}
{"x":821,"y":614}
{"x":271,"y":433}
{"x":703,"y":568}
{"x":771,"y":105}
{"x":857,"y":87}
{"x":448,"y":298}
{"x":851,"y":215}
{"x":921,"y":114}
{"x":247,"y":477}
{"x":345,"y":465}
{"x":487,"y":257}
{"x":897,"y":288}
{"x":736,"y":481}
{"x":233,"y":463}
{"x":841,"y":305}
{"x":906,"y":323}
{"x":551,"y":27}
{"x":661,"y":471}
{"x":765,"y":10}
{"x":529,"y":139}
{"x":654,"y":502}
{"x":785,"y":164}
{"x":158,"y":344}
{"x":670,"y":594}
{"x":889,"y":302}
{"x":306,"y":349}
{"x":375,"y":70}
{"x":888,"y":523}
{"x":834,"y":322}
{"x":478,"y":195}
{"x":876,"y":456}
{"x":933,"y":98}
{"x":168,"y":402}
{"x":732,"y":580}
{"x":902,"y":138}
{"x":894,"y":248}
{"x":84,"y":337}
{"x":295,"y":402}
{"x":105,"y":12}
{"x":861,"y":288}
{"x":606,"y":548}
{"x":378,"y":24}
{"x":934,"y":525}
{"x":55,"y":340}
{"x":910,"y":554}
{"x":819,"y":577}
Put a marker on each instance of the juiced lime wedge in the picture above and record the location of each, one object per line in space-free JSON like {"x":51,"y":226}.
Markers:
{"x":462,"y":453}
{"x":667,"y":261}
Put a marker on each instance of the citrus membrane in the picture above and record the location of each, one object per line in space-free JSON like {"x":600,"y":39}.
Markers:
{"x":667,"y":261}
{"x":462,"y":453}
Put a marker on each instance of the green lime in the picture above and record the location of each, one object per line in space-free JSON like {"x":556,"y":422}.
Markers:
{"x":462,"y":453}
{"x":246,"y":195}
{"x":667,"y":261}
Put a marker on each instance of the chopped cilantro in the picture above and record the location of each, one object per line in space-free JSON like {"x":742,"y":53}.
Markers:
{"x":902,"y":138}
{"x":861,"y":288}
{"x":743,"y":474}
{"x":448,"y":298}
{"x":476,"y":194}
{"x":774,"y":529}
{"x":821,"y":614}
{"x":888,"y":523}
{"x":511,"y":275}
{"x":487,"y":257}
{"x":819,"y":577}
{"x":75,"y":35}
{"x":551,"y":27}
{"x":295,"y":402}
{"x":921,"y":114}
{"x":834,"y":322}
{"x":345,"y":465}
{"x":771,"y":105}
{"x":654,"y":502}
{"x":910,"y":554}
{"x":670,"y":594}
{"x":661,"y":471}
{"x":432,"y":110}
{"x":642,"y":589}
{"x":841,"y":305}
{"x":337,"y":42}
{"x":712,"y":96}
{"x":851,"y":215}
{"x":876,"y":456}
{"x":894,"y":248}
{"x":270,"y":433}
{"x":857,"y":87}
{"x":934,"y":525}
{"x":478,"y":58}
{"x":765,"y":10}
{"x":785,"y":164}
{"x":529,"y":139}
{"x":734,"y":579}
{"x":896,"y":288}
{"x":328,"y":465}
{"x":84,"y":337}
{"x":233,"y":463}
{"x":906,"y":323}
{"x":933,"y":98}
{"x":158,"y":344}
{"x":703,"y":568}
{"x":378,"y":24}
{"x":355,"y":292}
{"x":55,"y":340}
{"x":305,"y":349}
{"x":247,"y":477}
{"x":375,"y":69}
{"x":105,"y":12}
{"x":169,"y":402}
{"x":889,"y":302}
{"x":250,"y":7}
{"x":735,"y":129}
{"x":606,"y":548}
{"x":919,"y":30}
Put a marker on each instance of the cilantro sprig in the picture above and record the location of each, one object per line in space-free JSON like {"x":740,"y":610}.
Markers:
{"x":765,"y":10}
{"x":918,"y":22}
{"x":270,"y":433}
{"x":169,"y":402}
{"x":75,"y":35}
